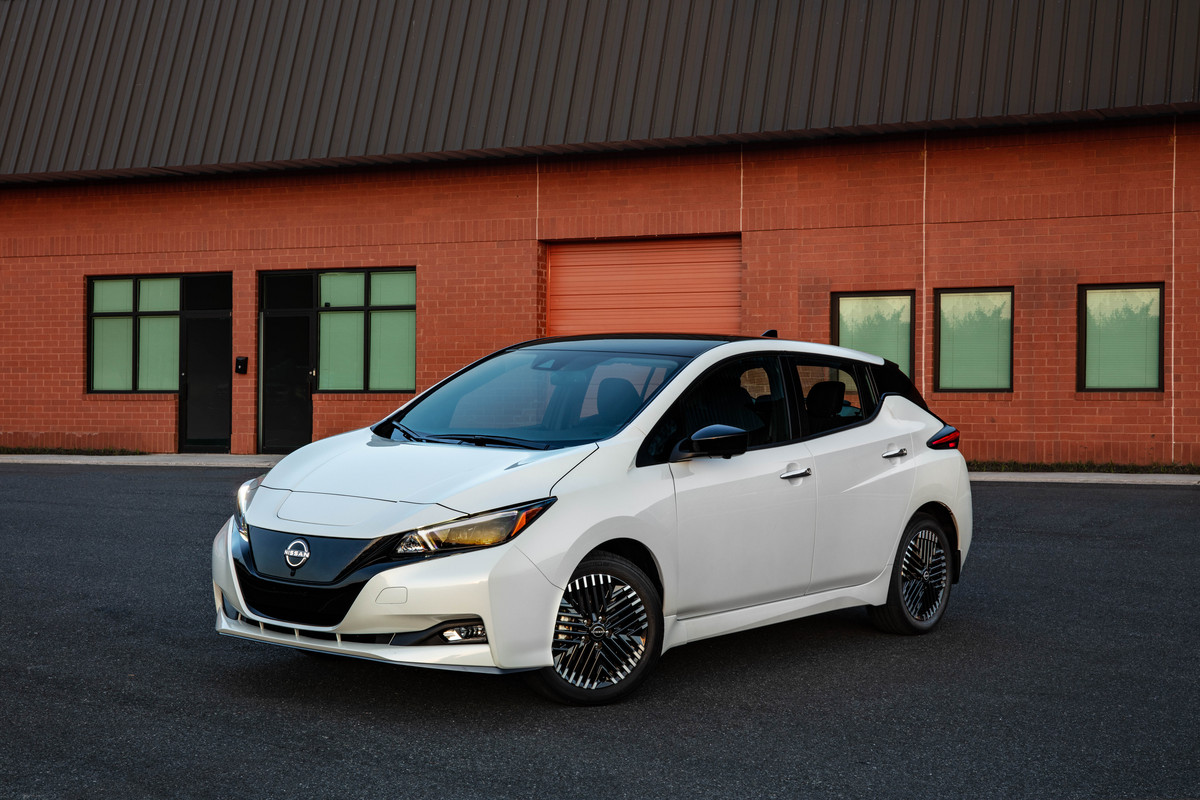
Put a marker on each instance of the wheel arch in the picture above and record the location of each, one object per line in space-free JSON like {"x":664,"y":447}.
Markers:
{"x":945,"y":517}
{"x":639,"y":554}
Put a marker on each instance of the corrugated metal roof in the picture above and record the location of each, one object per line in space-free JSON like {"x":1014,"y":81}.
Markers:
{"x":132,"y":87}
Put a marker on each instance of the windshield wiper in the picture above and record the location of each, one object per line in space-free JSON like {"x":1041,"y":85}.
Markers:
{"x":483,"y":440}
{"x":405,"y":432}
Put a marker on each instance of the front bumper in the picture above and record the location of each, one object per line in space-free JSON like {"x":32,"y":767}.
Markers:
{"x":497,"y":585}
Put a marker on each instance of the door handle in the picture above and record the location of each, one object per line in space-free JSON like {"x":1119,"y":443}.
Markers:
{"x":796,"y":473}
{"x":896,"y":453}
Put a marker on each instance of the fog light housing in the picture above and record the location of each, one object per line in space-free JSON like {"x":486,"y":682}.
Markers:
{"x":464,"y":634}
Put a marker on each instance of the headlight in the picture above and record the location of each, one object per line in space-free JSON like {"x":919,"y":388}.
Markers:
{"x":481,"y":530}
{"x":245,"y":494}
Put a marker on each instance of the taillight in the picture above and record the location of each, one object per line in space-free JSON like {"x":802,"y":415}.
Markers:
{"x":945,"y":439}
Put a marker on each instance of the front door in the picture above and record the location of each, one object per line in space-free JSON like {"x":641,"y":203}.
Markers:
{"x":746,"y":523}
{"x":287,"y":381}
{"x":205,"y":386}
{"x":205,"y":363}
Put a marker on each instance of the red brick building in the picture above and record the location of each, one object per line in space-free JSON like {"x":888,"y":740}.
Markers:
{"x":1036,"y":270}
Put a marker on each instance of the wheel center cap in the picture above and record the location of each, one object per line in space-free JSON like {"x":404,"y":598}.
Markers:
{"x":598,"y":631}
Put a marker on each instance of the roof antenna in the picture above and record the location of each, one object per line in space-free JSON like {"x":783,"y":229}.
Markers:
{"x":771,"y":334}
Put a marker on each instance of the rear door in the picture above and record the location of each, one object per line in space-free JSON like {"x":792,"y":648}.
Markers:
{"x":862,"y":467}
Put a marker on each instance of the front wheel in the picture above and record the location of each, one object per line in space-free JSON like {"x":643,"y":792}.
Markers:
{"x":920,"y":586}
{"x":607,"y":634}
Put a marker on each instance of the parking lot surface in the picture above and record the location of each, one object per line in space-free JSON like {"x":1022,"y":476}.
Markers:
{"x":1066,"y":667}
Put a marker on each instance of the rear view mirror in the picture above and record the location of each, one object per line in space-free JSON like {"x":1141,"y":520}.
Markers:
{"x":712,"y":441}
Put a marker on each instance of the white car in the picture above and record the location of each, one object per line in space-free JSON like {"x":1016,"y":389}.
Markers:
{"x":574,"y":507}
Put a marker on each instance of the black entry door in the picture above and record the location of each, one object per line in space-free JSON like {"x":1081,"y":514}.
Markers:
{"x":205,"y":386}
{"x":287,"y":367}
{"x":205,"y":363}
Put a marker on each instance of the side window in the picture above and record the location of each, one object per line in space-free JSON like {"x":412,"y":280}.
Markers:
{"x":836,"y":395}
{"x":745,"y":393}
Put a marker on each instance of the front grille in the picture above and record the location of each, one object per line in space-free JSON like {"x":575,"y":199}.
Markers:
{"x":320,"y":606}
{"x":330,"y":580}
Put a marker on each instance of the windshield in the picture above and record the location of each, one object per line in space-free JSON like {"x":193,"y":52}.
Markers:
{"x":536,"y":398}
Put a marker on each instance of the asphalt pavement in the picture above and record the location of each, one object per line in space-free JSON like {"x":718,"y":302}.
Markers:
{"x":1066,"y":667}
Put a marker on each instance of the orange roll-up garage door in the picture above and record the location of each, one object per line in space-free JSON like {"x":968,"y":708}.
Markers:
{"x":677,"y":285}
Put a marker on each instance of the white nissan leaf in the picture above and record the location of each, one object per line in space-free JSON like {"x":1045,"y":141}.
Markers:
{"x":572,"y":508}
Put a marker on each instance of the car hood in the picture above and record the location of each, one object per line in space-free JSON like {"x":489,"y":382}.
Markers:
{"x":463,"y":478}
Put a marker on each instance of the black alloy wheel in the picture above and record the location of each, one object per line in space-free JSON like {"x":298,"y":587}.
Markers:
{"x":607,"y":633}
{"x":920,"y":585}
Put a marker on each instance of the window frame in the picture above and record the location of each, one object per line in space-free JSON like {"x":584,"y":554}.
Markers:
{"x":134,"y":315}
{"x":648,"y":455}
{"x":864,"y":379}
{"x":910,"y":294}
{"x":937,"y":338}
{"x":1081,"y":336}
{"x":366,"y":310}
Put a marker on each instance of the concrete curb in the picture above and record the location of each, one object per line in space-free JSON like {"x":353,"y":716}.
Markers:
{"x":265,"y":462}
{"x":159,"y":460}
{"x":1103,"y":478}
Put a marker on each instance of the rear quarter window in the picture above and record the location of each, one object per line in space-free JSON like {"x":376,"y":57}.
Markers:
{"x":890,"y":380}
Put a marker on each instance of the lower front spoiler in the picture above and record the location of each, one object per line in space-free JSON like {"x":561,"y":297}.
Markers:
{"x":457,"y":657}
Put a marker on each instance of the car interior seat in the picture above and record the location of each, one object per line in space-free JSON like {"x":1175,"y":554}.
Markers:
{"x":722,"y":401}
{"x":616,"y":400}
{"x":824,"y":405}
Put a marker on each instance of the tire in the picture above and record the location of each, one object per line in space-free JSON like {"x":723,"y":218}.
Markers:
{"x":607,"y":634}
{"x":920,"y":587}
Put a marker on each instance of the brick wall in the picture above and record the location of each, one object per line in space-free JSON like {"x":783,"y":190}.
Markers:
{"x":1042,"y":210}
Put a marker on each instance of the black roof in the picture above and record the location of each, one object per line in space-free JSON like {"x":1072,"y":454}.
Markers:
{"x":657,"y":344}
{"x":160,"y":87}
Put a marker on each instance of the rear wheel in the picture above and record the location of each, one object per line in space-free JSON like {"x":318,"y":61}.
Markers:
{"x":920,"y":586}
{"x":607,"y":634}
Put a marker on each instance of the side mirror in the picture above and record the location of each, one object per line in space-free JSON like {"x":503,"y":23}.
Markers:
{"x":714,"y":440}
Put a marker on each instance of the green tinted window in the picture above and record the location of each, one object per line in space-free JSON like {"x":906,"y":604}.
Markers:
{"x":393,"y":289}
{"x":975,"y":340}
{"x":134,"y":326}
{"x":158,"y":354}
{"x":880,"y":325}
{"x":393,"y":349}
{"x":158,"y":294}
{"x":341,"y":289}
{"x":112,"y":296}
{"x":368,"y":338}
{"x":112,"y":354}
{"x":1122,"y":331}
{"x":341,"y":345}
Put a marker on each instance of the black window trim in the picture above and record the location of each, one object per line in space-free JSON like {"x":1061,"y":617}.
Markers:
{"x":1081,"y":336}
{"x":644,"y":459}
{"x":863,"y":376}
{"x":937,"y":338}
{"x":834,"y":307}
